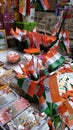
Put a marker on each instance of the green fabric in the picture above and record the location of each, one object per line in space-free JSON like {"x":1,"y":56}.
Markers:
{"x":62,"y":46}
{"x":56,"y":64}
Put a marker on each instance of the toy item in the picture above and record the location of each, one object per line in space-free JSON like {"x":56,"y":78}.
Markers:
{"x":13,"y":57}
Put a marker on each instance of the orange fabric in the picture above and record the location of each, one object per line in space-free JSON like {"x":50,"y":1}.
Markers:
{"x":65,"y":70}
{"x":41,"y":100}
{"x":25,"y":71}
{"x":62,"y":109}
{"x":70,"y":109}
{"x":32,"y":88}
{"x":51,"y":52}
{"x":19,"y":75}
{"x":27,"y":66}
{"x":54,"y":89}
{"x":46,"y":3}
{"x":41,"y":89}
{"x":70,"y":123}
{"x":49,"y":122}
{"x":68,"y":94}
{"x":37,"y":38}
{"x":48,"y":39}
{"x":55,"y":31}
{"x":49,"y":55}
{"x":67,"y":38}
{"x":30,"y":37}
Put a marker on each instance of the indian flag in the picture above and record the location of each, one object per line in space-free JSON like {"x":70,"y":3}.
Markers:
{"x":66,"y":40}
{"x":29,"y":86}
{"x":22,"y":7}
{"x":51,"y":92}
{"x":55,"y":31}
{"x":45,"y":4}
{"x":53,"y":59}
{"x":47,"y":93}
{"x":42,"y":103}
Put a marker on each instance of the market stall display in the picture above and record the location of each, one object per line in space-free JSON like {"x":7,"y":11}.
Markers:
{"x":43,"y":74}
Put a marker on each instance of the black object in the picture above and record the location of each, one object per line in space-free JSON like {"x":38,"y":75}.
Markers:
{"x":2,"y":128}
{"x":22,"y":44}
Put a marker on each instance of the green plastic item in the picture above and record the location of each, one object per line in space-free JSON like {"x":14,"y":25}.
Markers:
{"x":20,"y":82}
{"x":29,"y":26}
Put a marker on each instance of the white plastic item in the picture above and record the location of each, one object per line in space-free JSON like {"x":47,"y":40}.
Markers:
{"x":30,"y":18}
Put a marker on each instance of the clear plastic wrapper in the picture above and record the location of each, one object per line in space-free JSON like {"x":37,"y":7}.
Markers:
{"x":7,"y":95}
{"x":29,"y":119}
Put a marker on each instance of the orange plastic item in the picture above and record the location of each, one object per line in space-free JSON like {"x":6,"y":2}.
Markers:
{"x":18,"y":75}
{"x":3,"y":86}
{"x":32,"y":50}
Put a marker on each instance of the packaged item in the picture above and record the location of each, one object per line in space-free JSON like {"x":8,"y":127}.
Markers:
{"x":7,"y":95}
{"x":13,"y":57}
{"x":12,"y":110}
{"x":29,"y":119}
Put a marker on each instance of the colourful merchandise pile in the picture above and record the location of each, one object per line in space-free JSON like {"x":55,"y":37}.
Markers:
{"x":47,"y":77}
{"x":53,"y":90}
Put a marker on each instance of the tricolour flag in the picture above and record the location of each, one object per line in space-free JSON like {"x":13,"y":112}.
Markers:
{"x":47,"y":93}
{"x":29,"y":86}
{"x":55,"y":31}
{"x":45,"y":4}
{"x":42,"y":103}
{"x":66,"y":113}
{"x":66,"y":40}
{"x":53,"y":86}
{"x":53,"y":59}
